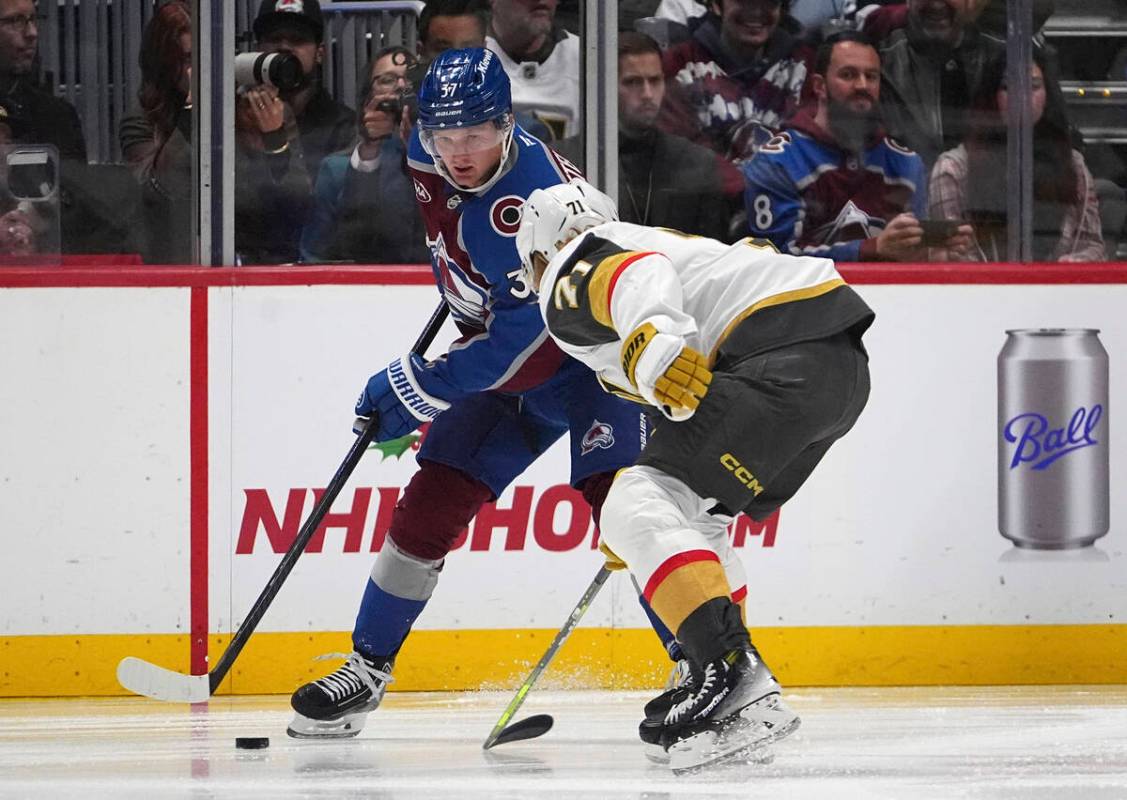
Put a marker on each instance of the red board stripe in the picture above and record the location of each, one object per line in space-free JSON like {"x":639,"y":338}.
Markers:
{"x":198,"y":472}
{"x":421,"y":275}
{"x":126,"y":276}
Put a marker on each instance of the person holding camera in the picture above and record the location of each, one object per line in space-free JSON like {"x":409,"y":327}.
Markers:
{"x":833,"y":184}
{"x":286,"y":124}
{"x":357,"y":188}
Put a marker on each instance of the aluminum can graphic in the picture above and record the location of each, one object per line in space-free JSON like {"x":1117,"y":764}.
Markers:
{"x":1053,"y":442}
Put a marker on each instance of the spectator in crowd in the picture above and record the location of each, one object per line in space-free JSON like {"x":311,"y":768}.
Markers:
{"x":833,"y":184}
{"x":664,"y":180}
{"x":541,"y":59}
{"x":929,"y":70}
{"x":364,"y":206}
{"x":283,"y":136}
{"x":451,"y":25}
{"x":733,"y":83}
{"x":156,"y":139}
{"x":682,"y":11}
{"x":970,"y":182}
{"x":32,"y":115}
{"x":457,"y":24}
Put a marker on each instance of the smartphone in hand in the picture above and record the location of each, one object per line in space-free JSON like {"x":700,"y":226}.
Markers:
{"x":938,"y":231}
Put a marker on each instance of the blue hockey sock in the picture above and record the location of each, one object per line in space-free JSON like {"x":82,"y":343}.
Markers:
{"x":668,"y":640}
{"x":397,"y":592}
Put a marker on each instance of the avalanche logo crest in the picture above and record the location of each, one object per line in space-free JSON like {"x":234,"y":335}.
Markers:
{"x":599,"y":435}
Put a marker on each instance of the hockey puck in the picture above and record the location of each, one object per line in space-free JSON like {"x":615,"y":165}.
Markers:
{"x":252,"y":742}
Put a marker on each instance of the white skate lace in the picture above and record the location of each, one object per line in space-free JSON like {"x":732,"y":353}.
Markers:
{"x":681,"y":675}
{"x":355,"y":674}
{"x":708,"y":681}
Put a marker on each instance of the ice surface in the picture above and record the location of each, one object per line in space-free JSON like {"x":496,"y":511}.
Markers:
{"x":1028,"y":743}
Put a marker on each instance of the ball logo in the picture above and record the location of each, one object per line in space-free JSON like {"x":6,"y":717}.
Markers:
{"x":504,"y":216}
{"x":421,"y":192}
{"x":599,"y":435}
{"x":1040,"y":445}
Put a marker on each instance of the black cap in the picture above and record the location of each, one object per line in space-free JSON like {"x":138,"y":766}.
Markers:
{"x":303,"y":13}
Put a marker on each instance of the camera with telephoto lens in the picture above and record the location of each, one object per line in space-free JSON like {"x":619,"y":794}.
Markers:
{"x":281,"y":70}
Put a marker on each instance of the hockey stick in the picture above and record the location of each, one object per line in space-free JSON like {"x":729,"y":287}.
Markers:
{"x":141,"y":677}
{"x":539,"y":724}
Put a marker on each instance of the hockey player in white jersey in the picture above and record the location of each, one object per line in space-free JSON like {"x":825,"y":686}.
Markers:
{"x":755,"y":362}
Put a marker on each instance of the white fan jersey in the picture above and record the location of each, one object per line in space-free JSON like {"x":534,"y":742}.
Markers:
{"x":548,"y":91}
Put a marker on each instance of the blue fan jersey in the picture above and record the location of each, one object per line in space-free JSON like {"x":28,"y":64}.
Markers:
{"x":809,"y":197}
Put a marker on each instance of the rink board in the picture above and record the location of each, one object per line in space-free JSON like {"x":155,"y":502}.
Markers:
{"x":165,"y":433}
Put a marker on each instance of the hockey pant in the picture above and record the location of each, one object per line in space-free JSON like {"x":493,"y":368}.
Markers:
{"x":678,"y":553}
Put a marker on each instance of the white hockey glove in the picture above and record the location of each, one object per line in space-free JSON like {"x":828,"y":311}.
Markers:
{"x":665,"y":371}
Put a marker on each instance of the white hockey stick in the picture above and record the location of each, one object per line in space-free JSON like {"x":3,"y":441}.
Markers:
{"x":149,"y":680}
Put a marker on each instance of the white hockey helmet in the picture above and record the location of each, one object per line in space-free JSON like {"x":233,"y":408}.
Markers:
{"x":554,"y":216}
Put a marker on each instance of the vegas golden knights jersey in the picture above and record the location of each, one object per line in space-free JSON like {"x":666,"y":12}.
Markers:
{"x":727,"y":301}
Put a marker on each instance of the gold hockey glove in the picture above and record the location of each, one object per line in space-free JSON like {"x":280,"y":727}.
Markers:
{"x":685,"y":381}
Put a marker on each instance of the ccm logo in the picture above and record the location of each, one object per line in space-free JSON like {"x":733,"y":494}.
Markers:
{"x":732,"y":464}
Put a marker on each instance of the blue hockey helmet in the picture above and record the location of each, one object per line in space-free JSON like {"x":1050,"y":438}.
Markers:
{"x":463,"y":88}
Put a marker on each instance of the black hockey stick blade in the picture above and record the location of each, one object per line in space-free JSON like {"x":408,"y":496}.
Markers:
{"x":573,"y":619}
{"x":530,"y":728}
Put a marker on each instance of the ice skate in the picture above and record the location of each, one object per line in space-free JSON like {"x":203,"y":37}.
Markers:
{"x":681,"y":681}
{"x":734,"y":711}
{"x":336,"y":706}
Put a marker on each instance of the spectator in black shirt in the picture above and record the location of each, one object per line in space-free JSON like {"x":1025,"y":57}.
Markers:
{"x":664,"y":180}
{"x":33,"y":116}
{"x":283,"y":137}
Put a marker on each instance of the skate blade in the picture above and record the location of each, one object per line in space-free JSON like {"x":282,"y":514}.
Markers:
{"x":656,"y":754}
{"x":302,"y":727}
{"x":728,"y":738}
{"x":741,"y":738}
{"x":774,"y":716}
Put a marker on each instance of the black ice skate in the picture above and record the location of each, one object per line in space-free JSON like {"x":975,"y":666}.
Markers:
{"x":681,"y":681}
{"x":336,"y":706}
{"x":734,"y":710}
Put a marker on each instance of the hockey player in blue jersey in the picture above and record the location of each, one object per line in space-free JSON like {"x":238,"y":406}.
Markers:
{"x":500,"y":396}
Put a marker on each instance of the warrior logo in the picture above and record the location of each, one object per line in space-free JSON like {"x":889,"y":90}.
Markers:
{"x":421,"y":192}
{"x":599,"y":435}
{"x":295,"y":6}
{"x":504,"y":216}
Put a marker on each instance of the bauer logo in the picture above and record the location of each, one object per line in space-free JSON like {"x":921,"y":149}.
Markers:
{"x":1038,"y":445}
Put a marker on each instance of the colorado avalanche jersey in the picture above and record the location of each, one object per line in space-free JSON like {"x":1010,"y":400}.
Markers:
{"x":472,"y":239}
{"x":809,"y":197}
